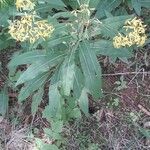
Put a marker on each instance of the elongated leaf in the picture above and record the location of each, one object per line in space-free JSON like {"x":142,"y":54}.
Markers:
{"x":32,"y":86}
{"x":54,"y":85}
{"x":47,"y":5}
{"x":60,"y":29}
{"x":56,"y":3}
{"x":3,"y":102}
{"x":40,"y":67}
{"x":73,"y":3}
{"x":94,"y":3}
{"x":84,"y":102}
{"x":54,"y":100}
{"x":121,"y":11}
{"x":56,"y":76}
{"x":106,"y":48}
{"x":54,"y":103}
{"x":136,"y":4}
{"x":64,"y":15}
{"x":106,"y":5}
{"x":33,"y":71}
{"x":36,"y":100}
{"x":111,"y":25}
{"x":58,"y":40}
{"x":68,"y":71}
{"x":78,"y":82}
{"x":27,"y":58}
{"x":145,"y":3}
{"x":91,"y":69}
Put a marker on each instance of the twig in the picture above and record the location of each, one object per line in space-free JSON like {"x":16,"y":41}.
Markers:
{"x":144,"y":109}
{"x":135,"y":76}
{"x":126,"y":73}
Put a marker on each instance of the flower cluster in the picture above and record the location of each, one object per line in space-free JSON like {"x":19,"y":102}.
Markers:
{"x":28,"y":29}
{"x":135,"y":34}
{"x":24,"y":5}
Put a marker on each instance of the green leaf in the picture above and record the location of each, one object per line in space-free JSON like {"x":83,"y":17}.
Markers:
{"x":68,"y":71}
{"x":58,"y":40}
{"x":49,"y":133}
{"x":4,"y":43}
{"x":4,"y":16}
{"x":57,"y":126}
{"x":60,"y":28}
{"x":108,"y":14}
{"x":41,"y":145}
{"x":111,"y":25}
{"x":54,"y":103}
{"x":56,"y":76}
{"x":33,"y":71}
{"x":81,"y":2}
{"x":84,"y":102}
{"x":145,"y":132}
{"x":64,"y":15}
{"x":106,"y":48}
{"x":76,"y":3}
{"x":56,"y":3}
{"x":40,"y":66}
{"x":27,"y":58}
{"x":106,"y":5}
{"x":136,"y":4}
{"x":32,"y":86}
{"x":55,"y":131}
{"x":124,"y":59}
{"x":94,"y":3}
{"x":91,"y":69}
{"x":36,"y":100}
{"x":121,"y":11}
{"x":3,"y":102}
{"x":47,"y":5}
{"x":73,"y":3}
{"x":78,"y":82}
{"x":52,"y":135}
{"x":54,"y":100}
{"x":75,"y":113}
{"x":145,"y":3}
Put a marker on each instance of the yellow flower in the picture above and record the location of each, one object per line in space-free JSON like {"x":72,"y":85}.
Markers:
{"x":24,"y":5}
{"x":28,"y":29}
{"x":117,"y":40}
{"x":136,"y":36}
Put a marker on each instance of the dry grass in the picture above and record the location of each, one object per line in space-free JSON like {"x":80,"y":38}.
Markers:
{"x":113,"y":131}
{"x":19,"y":140}
{"x":14,"y":138}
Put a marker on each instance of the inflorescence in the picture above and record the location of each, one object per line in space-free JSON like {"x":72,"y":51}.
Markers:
{"x":27,"y":28}
{"x":135,"y":34}
{"x":24,"y":5}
